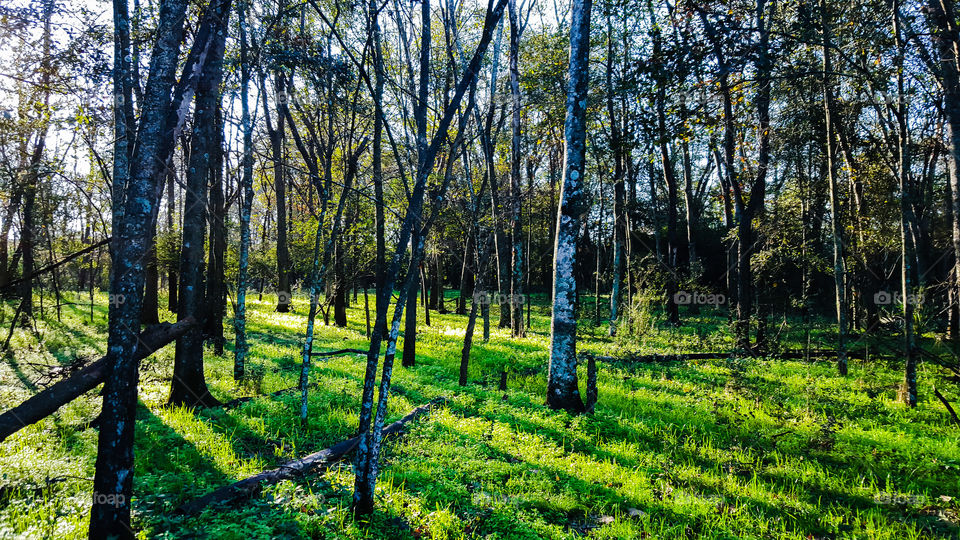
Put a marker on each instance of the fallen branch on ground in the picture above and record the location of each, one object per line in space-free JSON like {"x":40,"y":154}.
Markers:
{"x":338,"y":352}
{"x":249,"y":487}
{"x":681,"y":357}
{"x":48,"y":401}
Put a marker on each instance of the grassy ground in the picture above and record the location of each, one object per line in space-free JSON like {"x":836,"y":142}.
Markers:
{"x":712,"y":449}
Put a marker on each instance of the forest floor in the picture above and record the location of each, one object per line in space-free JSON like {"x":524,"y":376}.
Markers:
{"x":737,"y":448}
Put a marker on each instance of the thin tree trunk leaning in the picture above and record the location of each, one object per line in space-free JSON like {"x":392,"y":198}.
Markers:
{"x":189,"y":387}
{"x":249,"y":487}
{"x":368,"y":448}
{"x":953,"y":413}
{"x":562,"y":390}
{"x":47,"y":402}
{"x":58,"y":264}
{"x":113,"y":479}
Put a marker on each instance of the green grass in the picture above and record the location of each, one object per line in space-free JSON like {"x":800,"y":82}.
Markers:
{"x":742,"y":448}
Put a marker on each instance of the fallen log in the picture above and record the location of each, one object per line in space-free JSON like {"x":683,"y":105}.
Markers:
{"x":48,"y":401}
{"x":339,"y":352}
{"x":681,"y":357}
{"x":248,"y":487}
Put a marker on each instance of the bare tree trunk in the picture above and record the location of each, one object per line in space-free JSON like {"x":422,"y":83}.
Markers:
{"x":409,"y":358}
{"x":562,"y":390}
{"x":216,"y":291}
{"x":172,"y":278}
{"x":28,"y":231}
{"x":946,"y":39}
{"x":277,"y":136}
{"x":619,"y":195}
{"x":113,"y":479}
{"x":839,"y":266}
{"x":189,"y":386}
{"x":907,"y":218}
{"x":516,"y":282}
{"x":240,"y":349}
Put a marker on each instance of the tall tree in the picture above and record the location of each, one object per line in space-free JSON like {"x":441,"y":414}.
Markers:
{"x":562,"y":389}
{"x":516,"y":157}
{"x":240,"y":349}
{"x":113,"y":479}
{"x":189,"y":386}
{"x":836,"y":229}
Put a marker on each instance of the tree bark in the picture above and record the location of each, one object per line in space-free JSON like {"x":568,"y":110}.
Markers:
{"x":172,"y":279}
{"x":216,"y":291}
{"x":562,"y":390}
{"x":246,"y":202}
{"x":113,"y":479}
{"x":516,"y":239}
{"x":189,"y":387}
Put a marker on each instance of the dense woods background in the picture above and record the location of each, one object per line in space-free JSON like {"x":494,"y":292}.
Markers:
{"x":734,"y":180}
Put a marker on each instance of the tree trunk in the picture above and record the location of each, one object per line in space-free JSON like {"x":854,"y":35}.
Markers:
{"x":151,"y":292}
{"x":619,"y":195}
{"x":216,"y":293}
{"x":280,"y":189}
{"x":409,"y":358}
{"x":516,"y":237}
{"x":947,"y":41}
{"x":172,"y":279}
{"x":189,"y":387}
{"x":839,"y":266}
{"x":113,"y":479}
{"x":240,"y":349}
{"x":907,"y":219}
{"x":562,"y":389}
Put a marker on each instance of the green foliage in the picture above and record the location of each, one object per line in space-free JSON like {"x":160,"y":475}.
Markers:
{"x":742,"y":448}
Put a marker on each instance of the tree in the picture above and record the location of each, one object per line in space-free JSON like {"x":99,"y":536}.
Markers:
{"x":189,"y":387}
{"x":241,"y":347}
{"x":113,"y":479}
{"x":562,"y":390}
